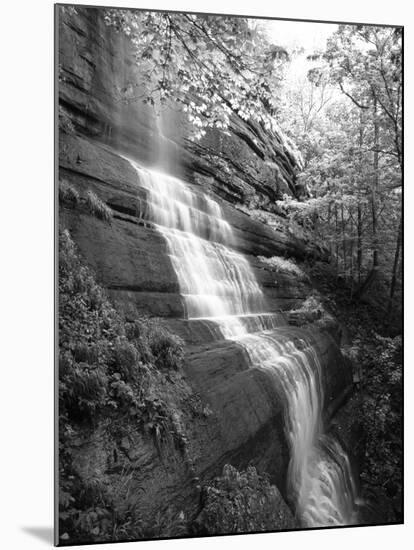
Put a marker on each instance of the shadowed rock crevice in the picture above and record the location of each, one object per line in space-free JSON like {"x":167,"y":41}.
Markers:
{"x":240,"y":413}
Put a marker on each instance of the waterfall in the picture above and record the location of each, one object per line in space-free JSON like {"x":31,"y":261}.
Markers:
{"x":218,"y":283}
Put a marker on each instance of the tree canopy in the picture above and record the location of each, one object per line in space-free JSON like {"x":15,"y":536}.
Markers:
{"x":223,"y":64}
{"x":345,"y":114}
{"x":343,"y":111}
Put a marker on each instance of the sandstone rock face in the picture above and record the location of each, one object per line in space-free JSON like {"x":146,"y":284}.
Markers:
{"x":97,"y":63}
{"x":130,"y":256}
{"x":130,"y":259}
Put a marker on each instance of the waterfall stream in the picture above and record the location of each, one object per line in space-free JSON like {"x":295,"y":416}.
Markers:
{"x":218,"y":283}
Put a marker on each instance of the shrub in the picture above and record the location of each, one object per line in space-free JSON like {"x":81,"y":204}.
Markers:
{"x":100,"y":512}
{"x":242,"y":502}
{"x":97,"y":207}
{"x":309,"y":311}
{"x":92,"y":335}
{"x":126,"y":359}
{"x":82,"y":389}
{"x":166,"y":525}
{"x":166,"y":348}
{"x":284,"y":265}
{"x":156,"y":344}
{"x":264,"y":216}
{"x":91,"y":510}
{"x":68,"y":195}
{"x":92,"y":342}
{"x":65,"y":121}
{"x":134,"y":330}
{"x":381,"y":385}
{"x":103,"y":376}
{"x":83,"y":352}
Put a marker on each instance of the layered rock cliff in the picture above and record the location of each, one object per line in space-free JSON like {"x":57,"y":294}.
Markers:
{"x":96,"y":64}
{"x":130,"y":260}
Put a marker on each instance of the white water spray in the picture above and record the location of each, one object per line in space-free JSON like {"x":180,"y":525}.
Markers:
{"x":217,"y":283}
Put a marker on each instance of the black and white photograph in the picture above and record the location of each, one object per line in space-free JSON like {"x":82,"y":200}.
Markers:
{"x":229,"y":274}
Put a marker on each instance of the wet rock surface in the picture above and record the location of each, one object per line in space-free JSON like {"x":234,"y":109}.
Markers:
{"x":243,"y":420}
{"x":97,"y":63}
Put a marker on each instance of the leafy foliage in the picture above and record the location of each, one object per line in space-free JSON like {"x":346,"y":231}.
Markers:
{"x":284,"y":265}
{"x":366,"y":62}
{"x":156,"y":343}
{"x":65,"y":122}
{"x":380,"y":360}
{"x":377,"y":359}
{"x":99,"y":512}
{"x":108,"y":370}
{"x":68,"y":195}
{"x":345,"y":116}
{"x":223,"y":64}
{"x":262,"y":214}
{"x":97,"y":207}
{"x":103,"y":363}
{"x":242,"y":502}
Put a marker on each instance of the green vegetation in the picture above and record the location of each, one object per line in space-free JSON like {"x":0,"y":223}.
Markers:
{"x":343,"y":111}
{"x":97,"y":207}
{"x":345,"y":114}
{"x":68,"y":195}
{"x":224,"y":63}
{"x":376,"y":353}
{"x":262,"y":214}
{"x":104,"y":362}
{"x":310,"y":311}
{"x":65,"y":121}
{"x":242,"y":502}
{"x":156,"y":344}
{"x":284,"y":265}
{"x":109,"y":371}
{"x":101,"y":512}
{"x":380,"y":361}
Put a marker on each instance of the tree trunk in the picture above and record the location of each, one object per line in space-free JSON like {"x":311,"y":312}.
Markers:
{"x":336,"y":240}
{"x":374,"y":190}
{"x":359,"y":244}
{"x":328,"y":224}
{"x":343,"y":239}
{"x":359,"y":213}
{"x":372,"y":275}
{"x":395,"y":266}
{"x":351,"y":256}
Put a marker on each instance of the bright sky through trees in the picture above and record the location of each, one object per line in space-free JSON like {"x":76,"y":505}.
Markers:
{"x":295,"y":34}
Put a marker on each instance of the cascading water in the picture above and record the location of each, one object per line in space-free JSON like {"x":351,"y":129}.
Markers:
{"x":217,"y":283}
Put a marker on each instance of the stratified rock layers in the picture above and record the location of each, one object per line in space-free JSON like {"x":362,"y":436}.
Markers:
{"x":130,"y":259}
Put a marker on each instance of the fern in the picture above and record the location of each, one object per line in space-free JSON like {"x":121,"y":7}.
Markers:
{"x":97,"y":207}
